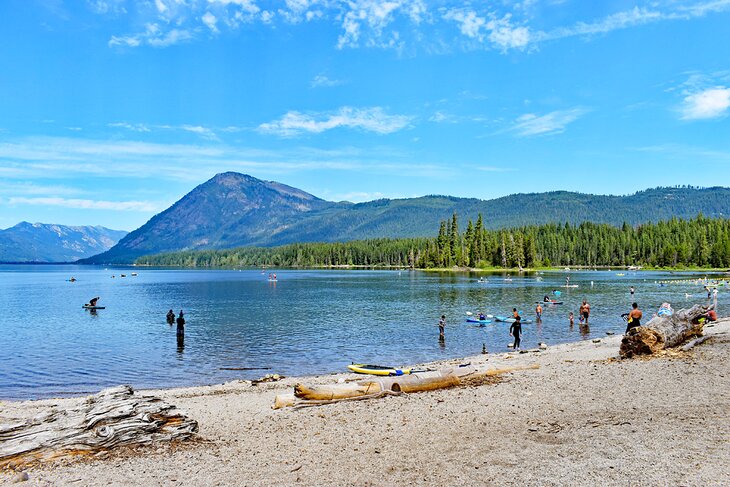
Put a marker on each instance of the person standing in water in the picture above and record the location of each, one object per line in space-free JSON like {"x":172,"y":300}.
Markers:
{"x":631,"y":291}
{"x":585,"y":311}
{"x":570,"y":319}
{"x":538,"y":312}
{"x":442,"y":326}
{"x":170,"y":317}
{"x":180,"y":326}
{"x":516,"y":331}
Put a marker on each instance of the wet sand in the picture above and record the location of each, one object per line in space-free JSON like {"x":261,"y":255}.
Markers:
{"x":583,"y":418}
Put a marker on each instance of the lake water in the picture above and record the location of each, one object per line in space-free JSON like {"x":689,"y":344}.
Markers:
{"x":308,"y":322}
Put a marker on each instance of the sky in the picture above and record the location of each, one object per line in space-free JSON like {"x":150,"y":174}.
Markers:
{"x":112,"y":110}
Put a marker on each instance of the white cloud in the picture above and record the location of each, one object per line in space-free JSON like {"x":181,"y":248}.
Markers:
{"x":204,"y":132}
{"x":505,"y":36}
{"x":470,"y":24}
{"x":107,"y":6}
{"x":709,"y":103}
{"x":372,"y":119}
{"x":321,"y":80}
{"x":499,"y":31}
{"x":555,"y":122}
{"x":153,"y":36}
{"x":440,"y":116}
{"x":210,"y":20}
{"x":393,"y":24}
{"x":86,"y":204}
{"x":134,"y":127}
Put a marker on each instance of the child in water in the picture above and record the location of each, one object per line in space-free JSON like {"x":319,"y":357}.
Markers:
{"x":570,"y":317}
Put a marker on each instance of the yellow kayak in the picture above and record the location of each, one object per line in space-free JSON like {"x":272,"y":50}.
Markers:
{"x":377,"y":369}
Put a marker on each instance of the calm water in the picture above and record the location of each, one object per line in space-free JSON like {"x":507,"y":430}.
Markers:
{"x":309,"y":322}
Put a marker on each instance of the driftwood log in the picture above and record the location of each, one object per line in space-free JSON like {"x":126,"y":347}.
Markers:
{"x":663,"y":331}
{"x":380,"y":386}
{"x":113,"y":417}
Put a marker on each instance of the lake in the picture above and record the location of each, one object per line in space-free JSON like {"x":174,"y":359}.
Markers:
{"x":307,"y":322}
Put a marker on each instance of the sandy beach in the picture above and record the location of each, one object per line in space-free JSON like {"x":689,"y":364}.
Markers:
{"x":583,"y":418}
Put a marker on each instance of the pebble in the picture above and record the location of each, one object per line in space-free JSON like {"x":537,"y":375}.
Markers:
{"x":543,"y":346}
{"x":20,"y":477}
{"x":597,"y":340}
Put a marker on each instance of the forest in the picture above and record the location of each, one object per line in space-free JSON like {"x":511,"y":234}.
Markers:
{"x":676,"y":243}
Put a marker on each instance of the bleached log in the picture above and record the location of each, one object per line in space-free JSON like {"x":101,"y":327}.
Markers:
{"x":695,"y":342}
{"x":114,"y":417}
{"x":376,"y":387}
{"x":663,"y":331}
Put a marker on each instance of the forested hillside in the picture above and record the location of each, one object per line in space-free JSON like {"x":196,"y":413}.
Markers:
{"x":699,"y":242}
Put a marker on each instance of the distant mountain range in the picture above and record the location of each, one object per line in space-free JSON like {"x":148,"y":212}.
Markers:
{"x":233,"y":209}
{"x":42,"y":242}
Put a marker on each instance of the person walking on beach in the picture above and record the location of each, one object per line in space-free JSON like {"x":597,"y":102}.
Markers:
{"x":516,"y":331}
{"x":442,"y":326}
{"x":538,"y":312}
{"x":633,"y":317}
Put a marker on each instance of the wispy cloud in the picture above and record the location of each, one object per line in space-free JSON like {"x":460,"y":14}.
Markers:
{"x":154,"y":36}
{"x":372,"y":119}
{"x":29,"y":188}
{"x":393,"y":24}
{"x":37,"y":158}
{"x":204,"y":132}
{"x":200,"y":130}
{"x":619,"y":20}
{"x":87,"y":204}
{"x":134,"y":127}
{"x":322,"y":81}
{"x":555,"y":122}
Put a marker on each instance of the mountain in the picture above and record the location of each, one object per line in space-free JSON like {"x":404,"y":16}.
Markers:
{"x":234,"y":209}
{"x":42,"y":242}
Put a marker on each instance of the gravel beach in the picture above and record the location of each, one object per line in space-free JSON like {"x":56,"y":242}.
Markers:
{"x":585,"y":417}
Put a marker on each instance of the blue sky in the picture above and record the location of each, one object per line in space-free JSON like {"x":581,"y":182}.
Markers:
{"x":111,"y":110}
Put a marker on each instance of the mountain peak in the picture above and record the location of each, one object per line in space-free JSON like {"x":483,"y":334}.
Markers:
{"x":49,"y":242}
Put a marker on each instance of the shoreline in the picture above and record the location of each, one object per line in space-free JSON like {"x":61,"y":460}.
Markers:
{"x":583,"y":416}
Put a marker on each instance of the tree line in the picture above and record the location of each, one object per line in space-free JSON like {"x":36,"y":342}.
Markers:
{"x":698,"y":242}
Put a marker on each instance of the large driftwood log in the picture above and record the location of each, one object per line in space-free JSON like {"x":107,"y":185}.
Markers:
{"x":663,"y":331}
{"x":113,"y":417}
{"x":380,"y":386}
